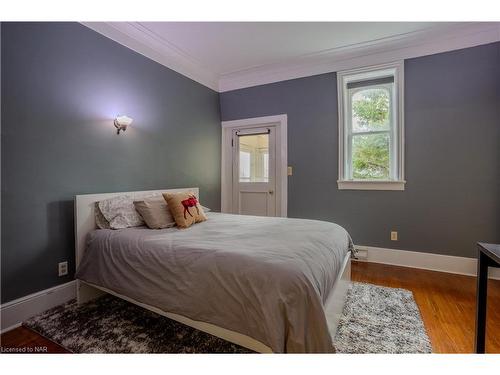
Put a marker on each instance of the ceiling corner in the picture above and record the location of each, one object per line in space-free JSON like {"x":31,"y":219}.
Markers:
{"x":137,"y":38}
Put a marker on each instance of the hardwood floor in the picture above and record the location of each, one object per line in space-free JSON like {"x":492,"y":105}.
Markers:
{"x":446,"y":303}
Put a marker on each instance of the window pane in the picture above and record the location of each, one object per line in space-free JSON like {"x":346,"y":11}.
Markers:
{"x":370,"y":156}
{"x":266,"y":165}
{"x":244,"y":166}
{"x":254,"y":158}
{"x":371,"y":109}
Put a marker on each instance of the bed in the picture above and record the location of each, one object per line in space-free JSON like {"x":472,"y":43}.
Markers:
{"x":268,"y":284}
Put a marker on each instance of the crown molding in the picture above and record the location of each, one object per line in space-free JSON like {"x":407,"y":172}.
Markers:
{"x":441,"y":38}
{"x":139,"y":38}
{"x":426,"y":42}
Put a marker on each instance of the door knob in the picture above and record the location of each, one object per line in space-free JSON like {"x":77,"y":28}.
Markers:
{"x":271,"y":191}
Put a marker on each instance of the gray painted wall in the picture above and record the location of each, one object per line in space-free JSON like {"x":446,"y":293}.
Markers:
{"x":62,"y":85}
{"x":452,"y":123}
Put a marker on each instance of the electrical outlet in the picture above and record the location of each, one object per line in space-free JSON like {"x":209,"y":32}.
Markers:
{"x":394,"y":236}
{"x":63,"y":268}
{"x":362,"y":254}
{"x":289,"y":171}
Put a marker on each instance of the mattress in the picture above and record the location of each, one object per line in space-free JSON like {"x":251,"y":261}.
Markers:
{"x":264,"y":277}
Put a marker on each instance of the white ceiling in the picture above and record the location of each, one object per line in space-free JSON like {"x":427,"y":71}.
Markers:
{"x":230,"y":47}
{"x":229,"y":55}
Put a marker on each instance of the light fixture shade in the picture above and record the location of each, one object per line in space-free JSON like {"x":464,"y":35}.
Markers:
{"x":121,"y":123}
{"x":123,"y":120}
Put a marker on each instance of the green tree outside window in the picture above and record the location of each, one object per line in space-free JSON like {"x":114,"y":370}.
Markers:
{"x":370,"y":152}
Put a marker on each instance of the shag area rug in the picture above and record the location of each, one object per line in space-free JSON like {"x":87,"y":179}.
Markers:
{"x":375,"y":320}
{"x":378,"y":319}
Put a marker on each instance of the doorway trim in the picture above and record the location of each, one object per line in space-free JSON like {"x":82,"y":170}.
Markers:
{"x":280,"y":121}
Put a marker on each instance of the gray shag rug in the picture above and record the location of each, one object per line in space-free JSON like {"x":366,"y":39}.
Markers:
{"x":375,"y":320}
{"x":378,"y":319}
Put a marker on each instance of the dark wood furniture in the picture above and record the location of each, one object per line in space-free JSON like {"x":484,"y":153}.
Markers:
{"x":488,"y":256}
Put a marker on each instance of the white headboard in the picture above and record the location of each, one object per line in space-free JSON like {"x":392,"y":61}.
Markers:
{"x":85,"y":216}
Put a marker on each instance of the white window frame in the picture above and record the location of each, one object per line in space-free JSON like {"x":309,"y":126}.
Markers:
{"x":397,"y":181}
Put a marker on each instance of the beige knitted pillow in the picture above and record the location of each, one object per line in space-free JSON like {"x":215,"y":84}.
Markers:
{"x":185,"y":208}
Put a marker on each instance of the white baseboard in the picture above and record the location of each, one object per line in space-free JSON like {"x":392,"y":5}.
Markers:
{"x":426,"y":261}
{"x":13,"y":313}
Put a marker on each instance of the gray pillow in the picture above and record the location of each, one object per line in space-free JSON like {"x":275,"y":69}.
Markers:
{"x":155,"y":213}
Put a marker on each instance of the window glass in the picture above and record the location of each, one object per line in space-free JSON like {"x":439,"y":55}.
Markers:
{"x":370,"y":156}
{"x":244,"y":166}
{"x":370,"y":134}
{"x":266,"y":165}
{"x":370,"y":109}
{"x":254,"y":157}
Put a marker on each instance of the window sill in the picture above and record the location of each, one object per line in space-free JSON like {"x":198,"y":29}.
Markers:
{"x":371,"y":185}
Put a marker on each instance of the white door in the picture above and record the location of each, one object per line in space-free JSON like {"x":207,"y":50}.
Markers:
{"x":254,"y":171}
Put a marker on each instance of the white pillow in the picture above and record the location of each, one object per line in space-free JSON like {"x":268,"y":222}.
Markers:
{"x":120,"y":212}
{"x":100,"y":220}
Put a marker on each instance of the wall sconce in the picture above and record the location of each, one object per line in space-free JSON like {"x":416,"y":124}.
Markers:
{"x":121,"y":123}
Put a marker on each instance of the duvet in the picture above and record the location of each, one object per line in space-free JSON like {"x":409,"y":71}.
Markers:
{"x":267,"y":278}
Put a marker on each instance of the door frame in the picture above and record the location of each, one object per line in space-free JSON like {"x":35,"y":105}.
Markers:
{"x":278,"y":121}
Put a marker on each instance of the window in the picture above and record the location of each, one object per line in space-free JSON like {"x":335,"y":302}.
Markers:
{"x":371,"y":128}
{"x":265,"y":156}
{"x":244,"y":166}
{"x":254,"y":158}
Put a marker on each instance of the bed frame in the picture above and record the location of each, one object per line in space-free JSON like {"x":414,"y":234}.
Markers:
{"x":85,"y":222}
